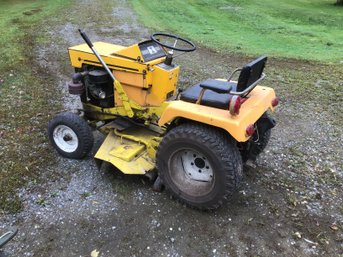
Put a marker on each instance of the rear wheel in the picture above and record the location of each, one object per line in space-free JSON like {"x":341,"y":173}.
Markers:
{"x":199,"y":165}
{"x":70,"y":135}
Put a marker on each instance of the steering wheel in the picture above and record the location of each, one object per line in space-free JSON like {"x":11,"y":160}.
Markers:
{"x":190,"y":47}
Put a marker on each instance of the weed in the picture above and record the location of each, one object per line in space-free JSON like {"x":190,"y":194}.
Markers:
{"x":41,"y":201}
{"x":84,"y":195}
{"x":291,"y":199}
{"x":123,"y":189}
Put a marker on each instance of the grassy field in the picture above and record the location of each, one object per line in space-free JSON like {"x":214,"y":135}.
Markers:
{"x":302,"y":29}
{"x":24,"y":95}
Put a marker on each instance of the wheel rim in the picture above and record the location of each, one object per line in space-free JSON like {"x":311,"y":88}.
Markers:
{"x":192,"y":172}
{"x":65,"y":138}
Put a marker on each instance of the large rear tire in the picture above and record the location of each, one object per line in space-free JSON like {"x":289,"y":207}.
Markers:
{"x":70,"y":135}
{"x":199,"y":165}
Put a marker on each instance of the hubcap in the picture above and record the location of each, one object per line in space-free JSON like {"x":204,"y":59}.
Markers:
{"x":196,"y":166}
{"x":191,"y":171}
{"x":65,"y":138}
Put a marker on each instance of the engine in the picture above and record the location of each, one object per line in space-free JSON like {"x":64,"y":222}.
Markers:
{"x":94,"y":86}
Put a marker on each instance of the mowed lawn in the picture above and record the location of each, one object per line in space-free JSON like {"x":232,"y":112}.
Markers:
{"x":301,"y":29}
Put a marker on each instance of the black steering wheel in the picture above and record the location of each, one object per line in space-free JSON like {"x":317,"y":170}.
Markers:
{"x":158,"y":38}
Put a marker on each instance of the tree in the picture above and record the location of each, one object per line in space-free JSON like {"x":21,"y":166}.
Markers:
{"x":339,"y":2}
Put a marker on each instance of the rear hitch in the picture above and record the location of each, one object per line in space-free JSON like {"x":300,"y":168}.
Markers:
{"x":264,"y":123}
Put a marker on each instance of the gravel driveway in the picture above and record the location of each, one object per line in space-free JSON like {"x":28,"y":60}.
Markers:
{"x":290,"y":204}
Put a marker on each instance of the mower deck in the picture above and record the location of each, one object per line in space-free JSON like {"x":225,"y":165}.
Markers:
{"x":129,"y":151}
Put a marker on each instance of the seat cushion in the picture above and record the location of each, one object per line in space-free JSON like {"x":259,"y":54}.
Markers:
{"x":210,"y":98}
{"x":218,"y":86}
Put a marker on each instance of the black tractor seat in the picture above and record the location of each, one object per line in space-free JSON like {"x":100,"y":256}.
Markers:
{"x":210,"y":98}
{"x":215,"y":93}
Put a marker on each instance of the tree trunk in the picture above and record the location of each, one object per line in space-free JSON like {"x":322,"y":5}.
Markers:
{"x":339,"y":2}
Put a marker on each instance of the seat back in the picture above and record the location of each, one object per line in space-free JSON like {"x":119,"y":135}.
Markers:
{"x":250,"y":73}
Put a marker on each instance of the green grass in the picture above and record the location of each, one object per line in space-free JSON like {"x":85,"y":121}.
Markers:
{"x":24,"y":105}
{"x":17,"y":18}
{"x":301,"y":29}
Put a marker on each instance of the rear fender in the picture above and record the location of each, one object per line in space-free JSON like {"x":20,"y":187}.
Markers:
{"x":258,"y":102}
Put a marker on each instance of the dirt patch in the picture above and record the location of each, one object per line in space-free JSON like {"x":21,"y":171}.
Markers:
{"x":288,"y":204}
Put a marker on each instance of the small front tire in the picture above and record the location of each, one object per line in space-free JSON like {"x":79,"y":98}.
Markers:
{"x":70,"y":135}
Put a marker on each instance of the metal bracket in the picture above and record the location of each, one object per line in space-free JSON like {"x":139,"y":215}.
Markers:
{"x":248,"y":89}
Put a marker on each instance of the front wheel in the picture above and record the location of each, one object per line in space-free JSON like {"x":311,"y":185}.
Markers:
{"x":199,"y":165}
{"x":70,"y":135}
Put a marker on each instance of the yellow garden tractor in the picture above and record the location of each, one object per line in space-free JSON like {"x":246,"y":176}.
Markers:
{"x":195,"y":141}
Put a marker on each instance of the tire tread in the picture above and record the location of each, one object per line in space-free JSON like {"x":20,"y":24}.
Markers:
{"x":221,"y":143}
{"x":80,"y":127}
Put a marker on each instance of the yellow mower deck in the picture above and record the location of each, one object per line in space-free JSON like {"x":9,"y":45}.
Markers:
{"x":132,"y":152}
